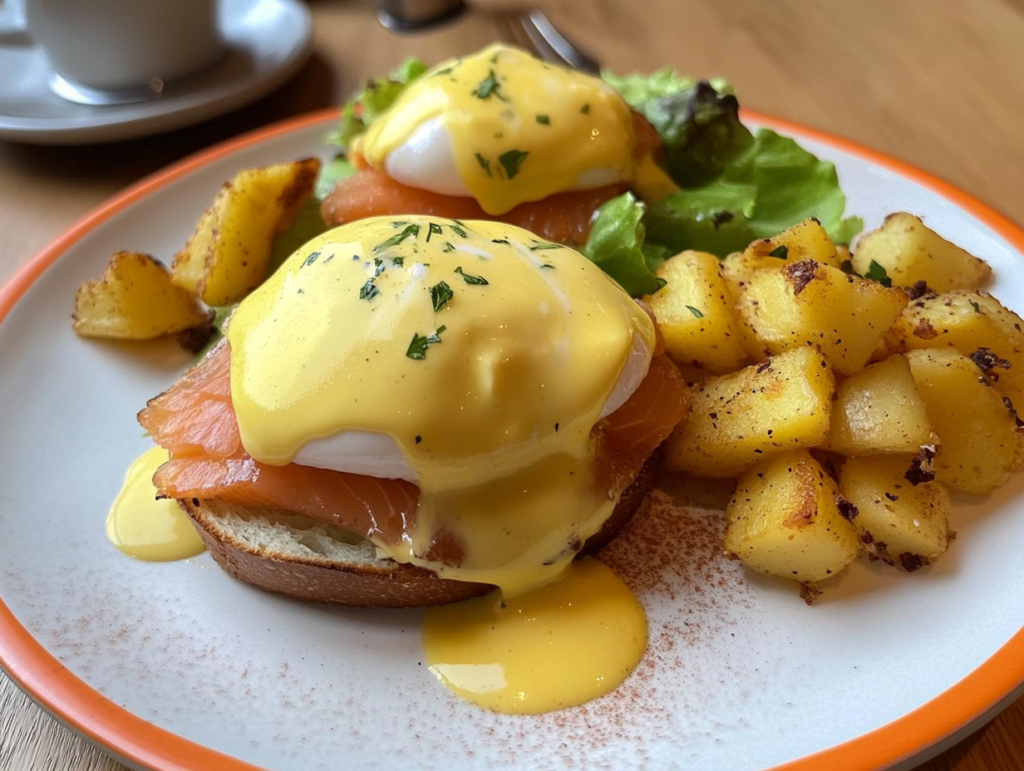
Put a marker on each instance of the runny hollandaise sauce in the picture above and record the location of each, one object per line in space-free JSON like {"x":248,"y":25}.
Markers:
{"x":146,"y":528}
{"x":484,"y":353}
{"x":515,"y":128}
{"x":555,"y":647}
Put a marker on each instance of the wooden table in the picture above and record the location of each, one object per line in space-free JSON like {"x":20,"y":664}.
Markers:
{"x":934,"y":84}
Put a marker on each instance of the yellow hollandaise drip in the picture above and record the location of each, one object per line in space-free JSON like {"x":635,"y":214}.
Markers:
{"x":146,"y":528}
{"x":520,"y":129}
{"x":556,"y":647}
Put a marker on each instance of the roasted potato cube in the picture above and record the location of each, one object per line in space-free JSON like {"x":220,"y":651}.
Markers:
{"x":897,"y":521}
{"x":808,"y":303}
{"x":976,"y":325}
{"x":765,"y":409}
{"x":135,"y":300}
{"x":695,"y":312}
{"x":878,"y":410}
{"x":229,"y":254}
{"x":911,"y":252}
{"x":805,"y":240}
{"x":981,"y":445}
{"x":783,"y":520}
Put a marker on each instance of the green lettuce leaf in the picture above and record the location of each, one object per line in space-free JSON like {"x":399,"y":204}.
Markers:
{"x":701,"y":132}
{"x":770,"y":186}
{"x":616,"y":245}
{"x":375,"y":97}
{"x":737,"y":186}
{"x":331,"y":173}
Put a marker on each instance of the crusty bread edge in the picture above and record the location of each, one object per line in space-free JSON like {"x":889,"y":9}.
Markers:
{"x":387,"y":585}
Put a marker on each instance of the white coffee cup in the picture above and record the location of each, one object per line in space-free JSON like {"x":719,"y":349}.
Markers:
{"x":122,"y":45}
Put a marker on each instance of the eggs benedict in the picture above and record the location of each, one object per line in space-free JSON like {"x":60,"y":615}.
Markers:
{"x":454,"y":405}
{"x":499,"y":135}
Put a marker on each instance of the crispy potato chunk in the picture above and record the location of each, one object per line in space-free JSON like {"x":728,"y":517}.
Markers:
{"x":805,"y":240}
{"x":766,"y":409}
{"x":807,"y":303}
{"x":904,"y":524}
{"x":976,"y":325}
{"x":135,"y":300}
{"x":878,"y":410}
{"x":981,"y":445}
{"x":783,"y":520}
{"x":695,"y":312}
{"x":229,"y":254}
{"x":911,"y":252}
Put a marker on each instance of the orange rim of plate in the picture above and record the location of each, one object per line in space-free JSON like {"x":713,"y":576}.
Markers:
{"x":130,"y":737}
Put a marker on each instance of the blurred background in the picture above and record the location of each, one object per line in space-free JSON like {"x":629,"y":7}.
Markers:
{"x":939,"y":85}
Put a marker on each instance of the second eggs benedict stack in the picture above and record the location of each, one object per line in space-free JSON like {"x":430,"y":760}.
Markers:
{"x":498,"y":135}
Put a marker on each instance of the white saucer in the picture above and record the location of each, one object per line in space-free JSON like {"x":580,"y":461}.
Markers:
{"x":268,"y":40}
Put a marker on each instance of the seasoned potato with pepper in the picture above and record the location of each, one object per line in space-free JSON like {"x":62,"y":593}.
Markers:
{"x":981,"y":445}
{"x":900,"y":515}
{"x":135,"y":300}
{"x":808,"y":303}
{"x":878,"y":410}
{"x":976,"y":325}
{"x":911,"y":252}
{"x":766,"y":409}
{"x":695,"y":312}
{"x":229,"y":253}
{"x":783,"y":520}
{"x":806,"y":240}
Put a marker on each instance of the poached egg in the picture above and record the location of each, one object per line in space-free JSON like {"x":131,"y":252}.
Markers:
{"x":504,"y":128}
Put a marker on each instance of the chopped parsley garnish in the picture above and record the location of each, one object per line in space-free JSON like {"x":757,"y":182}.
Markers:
{"x":471,"y":279}
{"x":538,"y":247}
{"x":379,"y":263}
{"x":311,"y":259}
{"x":398,"y":262}
{"x":544,"y":120}
{"x":441,"y":293}
{"x":484,"y":164}
{"x":585,"y":109}
{"x":368,"y":291}
{"x":448,"y":247}
{"x":410,"y":231}
{"x":500,"y":241}
{"x":694,"y":311}
{"x":547,"y":265}
{"x":661,"y":282}
{"x":781,"y":251}
{"x":977,"y":308}
{"x":512,"y":160}
{"x":418,"y":346}
{"x":459,"y":231}
{"x":489,"y":86}
{"x":877,"y":273}
{"x":434,"y":229}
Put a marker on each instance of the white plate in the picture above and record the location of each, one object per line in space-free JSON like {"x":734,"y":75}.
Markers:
{"x":268,"y":40}
{"x":148,"y":659}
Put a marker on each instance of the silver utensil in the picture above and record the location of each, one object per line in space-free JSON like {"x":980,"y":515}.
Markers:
{"x":531,"y":30}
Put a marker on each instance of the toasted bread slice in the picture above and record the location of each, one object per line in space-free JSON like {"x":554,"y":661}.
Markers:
{"x":289,"y":553}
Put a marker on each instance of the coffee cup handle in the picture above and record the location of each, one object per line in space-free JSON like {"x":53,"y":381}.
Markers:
{"x":13,"y":31}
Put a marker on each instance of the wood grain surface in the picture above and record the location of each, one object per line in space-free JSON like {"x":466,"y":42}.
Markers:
{"x":939,"y":84}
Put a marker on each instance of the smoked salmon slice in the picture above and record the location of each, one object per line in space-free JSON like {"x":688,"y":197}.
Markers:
{"x":208,"y":462}
{"x":195,"y":415}
{"x":375,"y":508}
{"x":564,"y":217}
